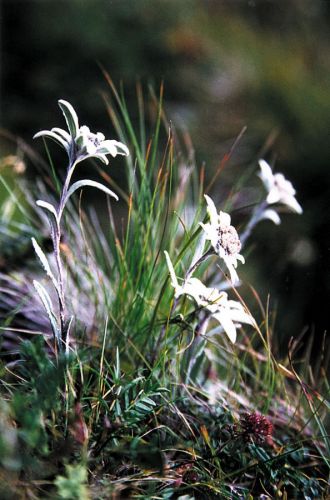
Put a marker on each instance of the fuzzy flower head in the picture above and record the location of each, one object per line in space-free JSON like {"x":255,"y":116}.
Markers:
{"x":79,"y":142}
{"x":255,"y":427}
{"x":229,"y":313}
{"x":279,"y":190}
{"x":223,"y":237}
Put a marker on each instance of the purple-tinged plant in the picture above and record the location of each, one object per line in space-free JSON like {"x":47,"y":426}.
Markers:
{"x":255,"y":427}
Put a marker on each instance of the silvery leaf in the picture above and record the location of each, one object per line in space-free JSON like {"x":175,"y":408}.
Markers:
{"x":44,"y":262}
{"x":113,"y":147}
{"x":68,"y":330}
{"x":47,"y":303}
{"x":101,"y":157}
{"x":63,"y":133}
{"x":70,"y":116}
{"x":88,"y":182}
{"x":270,"y":214}
{"x":52,"y":135}
{"x":47,"y":206}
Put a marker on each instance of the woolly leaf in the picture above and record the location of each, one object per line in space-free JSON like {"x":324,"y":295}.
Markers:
{"x":47,"y":303}
{"x":47,"y":206}
{"x":44,"y":262}
{"x":88,"y":182}
{"x":70,"y":116}
{"x":52,"y":135}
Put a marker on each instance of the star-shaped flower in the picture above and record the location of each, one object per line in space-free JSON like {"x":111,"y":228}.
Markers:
{"x":223,"y":237}
{"x":279,"y":189}
{"x":229,"y":313}
{"x":79,"y":142}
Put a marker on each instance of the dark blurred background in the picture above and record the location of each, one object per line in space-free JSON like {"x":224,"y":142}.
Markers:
{"x":226,"y":65}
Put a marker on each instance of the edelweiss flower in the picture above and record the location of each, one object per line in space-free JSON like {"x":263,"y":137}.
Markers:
{"x":224,"y":238}
{"x":279,"y":189}
{"x":229,"y":313}
{"x":193,"y":287}
{"x":80,"y":143}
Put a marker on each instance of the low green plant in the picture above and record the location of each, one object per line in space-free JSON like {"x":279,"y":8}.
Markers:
{"x":73,"y":485}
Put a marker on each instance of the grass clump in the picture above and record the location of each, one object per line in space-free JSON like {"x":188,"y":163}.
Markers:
{"x":135,"y":361}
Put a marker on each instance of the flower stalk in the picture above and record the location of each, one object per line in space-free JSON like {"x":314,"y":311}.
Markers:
{"x":79,"y":143}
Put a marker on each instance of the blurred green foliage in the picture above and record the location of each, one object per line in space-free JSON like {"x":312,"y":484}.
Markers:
{"x":261,"y":64}
{"x":72,"y":486}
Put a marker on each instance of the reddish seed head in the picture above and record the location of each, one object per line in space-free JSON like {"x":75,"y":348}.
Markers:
{"x":255,"y":426}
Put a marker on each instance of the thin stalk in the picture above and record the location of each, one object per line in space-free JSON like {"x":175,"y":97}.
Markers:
{"x":256,"y":216}
{"x":58,"y":260}
{"x":190,"y":271}
{"x":198,"y":338}
{"x":57,"y":251}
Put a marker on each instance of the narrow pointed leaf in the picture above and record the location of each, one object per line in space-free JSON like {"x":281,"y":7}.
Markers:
{"x":101,"y":157}
{"x":174,"y":280}
{"x":48,"y":206}
{"x":227,"y":324}
{"x":68,"y":331}
{"x":141,"y":406}
{"x":62,"y":133}
{"x":70,"y":116}
{"x":88,"y":182}
{"x":47,"y":303}
{"x":55,"y":137}
{"x":44,"y":262}
{"x":113,"y":147}
{"x":271,"y":215}
{"x":148,"y":401}
{"x":117,"y":365}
